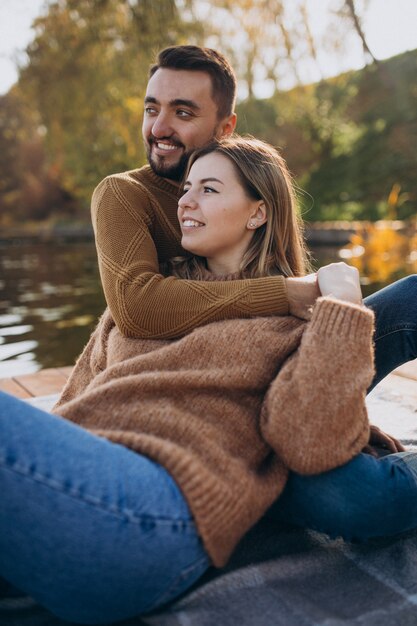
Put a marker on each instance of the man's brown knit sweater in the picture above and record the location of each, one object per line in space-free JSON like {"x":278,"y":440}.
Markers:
{"x":230,"y":407}
{"x":135,"y":222}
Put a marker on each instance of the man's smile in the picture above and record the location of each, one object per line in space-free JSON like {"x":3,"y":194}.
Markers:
{"x":166,"y":146}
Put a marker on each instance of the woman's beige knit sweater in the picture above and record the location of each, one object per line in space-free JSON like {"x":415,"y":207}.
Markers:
{"x":232,"y":406}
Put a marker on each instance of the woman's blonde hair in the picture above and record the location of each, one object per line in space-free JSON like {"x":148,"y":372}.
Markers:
{"x":277,"y":247}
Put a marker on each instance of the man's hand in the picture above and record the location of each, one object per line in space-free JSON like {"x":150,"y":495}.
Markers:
{"x":340,"y":281}
{"x":302,"y":294}
{"x":379,"y":439}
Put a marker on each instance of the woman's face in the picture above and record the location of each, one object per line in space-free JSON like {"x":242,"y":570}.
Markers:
{"x":215,"y":214}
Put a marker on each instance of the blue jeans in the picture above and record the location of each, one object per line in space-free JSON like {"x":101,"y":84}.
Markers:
{"x":91,"y":530}
{"x":97,"y":533}
{"x":395,"y":338}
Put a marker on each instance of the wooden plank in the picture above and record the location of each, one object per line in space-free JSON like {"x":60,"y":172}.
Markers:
{"x":66,"y":371}
{"x":11,"y":386}
{"x":403,"y":389}
{"x":392,"y":406}
{"x":42,"y":383}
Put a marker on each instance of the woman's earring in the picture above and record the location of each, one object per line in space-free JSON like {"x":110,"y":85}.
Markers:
{"x":252,"y":225}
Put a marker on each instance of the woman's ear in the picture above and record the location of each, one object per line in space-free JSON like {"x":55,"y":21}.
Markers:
{"x":258,"y":216}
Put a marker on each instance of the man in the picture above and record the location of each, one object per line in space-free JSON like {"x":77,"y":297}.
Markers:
{"x":189,"y":101}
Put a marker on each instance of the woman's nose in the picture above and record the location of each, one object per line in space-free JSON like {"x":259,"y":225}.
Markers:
{"x":187,"y":201}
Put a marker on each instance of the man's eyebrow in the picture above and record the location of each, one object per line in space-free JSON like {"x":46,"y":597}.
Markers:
{"x":175,"y":103}
{"x":185,"y":103}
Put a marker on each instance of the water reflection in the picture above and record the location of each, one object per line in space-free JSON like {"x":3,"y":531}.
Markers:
{"x":382,"y":254}
{"x":51,"y":298}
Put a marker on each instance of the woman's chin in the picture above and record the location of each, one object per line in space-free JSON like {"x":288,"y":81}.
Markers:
{"x":192,"y":247}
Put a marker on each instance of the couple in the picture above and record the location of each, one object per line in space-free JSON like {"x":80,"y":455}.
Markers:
{"x":179,"y":433}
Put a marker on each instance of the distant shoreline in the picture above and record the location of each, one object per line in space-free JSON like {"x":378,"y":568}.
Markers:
{"x":46,"y":234}
{"x":317,"y":233}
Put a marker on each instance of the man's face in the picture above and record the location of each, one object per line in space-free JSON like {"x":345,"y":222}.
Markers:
{"x":180,"y":115}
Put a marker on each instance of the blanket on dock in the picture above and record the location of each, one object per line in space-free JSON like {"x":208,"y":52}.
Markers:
{"x":292,"y":577}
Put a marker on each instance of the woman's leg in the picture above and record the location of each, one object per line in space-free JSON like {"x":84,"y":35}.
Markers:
{"x":93,"y":531}
{"x":364,"y":499}
{"x":395,"y":310}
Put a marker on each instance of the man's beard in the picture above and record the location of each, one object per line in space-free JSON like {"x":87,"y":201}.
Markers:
{"x":174,"y":172}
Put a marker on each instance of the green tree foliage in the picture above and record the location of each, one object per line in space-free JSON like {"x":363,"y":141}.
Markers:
{"x":86,"y":75}
{"x":348,"y":140}
{"x":75,"y":116}
{"x":355,"y":178}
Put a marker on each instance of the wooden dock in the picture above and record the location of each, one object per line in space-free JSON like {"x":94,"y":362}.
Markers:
{"x":392,"y":405}
{"x":43,"y":383}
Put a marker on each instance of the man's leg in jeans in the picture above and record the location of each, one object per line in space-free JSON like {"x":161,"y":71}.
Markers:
{"x":363,"y":499}
{"x":367,"y":497}
{"x":395,"y":338}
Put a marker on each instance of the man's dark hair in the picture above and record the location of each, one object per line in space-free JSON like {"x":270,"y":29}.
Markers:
{"x":207,"y":60}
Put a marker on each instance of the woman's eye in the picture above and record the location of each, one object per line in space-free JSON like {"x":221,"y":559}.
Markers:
{"x":209,"y":190}
{"x":184,"y":191}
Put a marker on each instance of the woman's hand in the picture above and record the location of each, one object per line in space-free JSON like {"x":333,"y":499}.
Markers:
{"x":340,"y":281}
{"x":379,"y":439}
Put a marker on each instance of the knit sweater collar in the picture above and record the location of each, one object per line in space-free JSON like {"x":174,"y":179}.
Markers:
{"x":209,"y":276}
{"x":159,"y":182}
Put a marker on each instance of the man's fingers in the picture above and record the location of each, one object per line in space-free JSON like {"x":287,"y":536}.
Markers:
{"x":369,"y":450}
{"x":383,"y":440}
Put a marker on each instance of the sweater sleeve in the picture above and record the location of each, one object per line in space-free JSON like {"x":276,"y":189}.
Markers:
{"x":143,"y":302}
{"x":314,"y":414}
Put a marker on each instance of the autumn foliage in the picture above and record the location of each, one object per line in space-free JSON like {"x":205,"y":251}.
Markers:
{"x":75,"y":114}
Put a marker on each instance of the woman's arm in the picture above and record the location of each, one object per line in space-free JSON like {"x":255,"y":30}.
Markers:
{"x":314,"y":414}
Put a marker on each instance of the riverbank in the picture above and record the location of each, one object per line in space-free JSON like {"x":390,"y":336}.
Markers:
{"x":335,"y":233}
{"x":44,"y":233}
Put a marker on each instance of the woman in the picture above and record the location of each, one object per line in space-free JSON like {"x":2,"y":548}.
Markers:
{"x":171,"y":450}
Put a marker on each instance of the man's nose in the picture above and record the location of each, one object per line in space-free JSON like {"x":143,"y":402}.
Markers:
{"x":161,"y":126}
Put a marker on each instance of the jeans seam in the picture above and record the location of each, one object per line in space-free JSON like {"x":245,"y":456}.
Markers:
{"x":90,"y":500}
{"x":166,"y":595}
{"x":396,"y":330}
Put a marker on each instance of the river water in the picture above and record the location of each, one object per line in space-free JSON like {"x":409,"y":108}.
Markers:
{"x":51,"y":298}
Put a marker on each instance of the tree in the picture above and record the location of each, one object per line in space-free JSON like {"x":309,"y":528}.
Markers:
{"x":28,"y":185}
{"x":87,"y":73}
{"x":357,"y":24}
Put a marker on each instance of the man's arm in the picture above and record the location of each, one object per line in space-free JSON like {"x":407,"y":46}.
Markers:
{"x":142,"y":301}
{"x":146,"y":304}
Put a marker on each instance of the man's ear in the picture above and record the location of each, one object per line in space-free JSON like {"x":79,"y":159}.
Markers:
{"x":227,"y":126}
